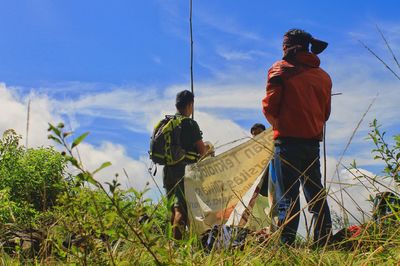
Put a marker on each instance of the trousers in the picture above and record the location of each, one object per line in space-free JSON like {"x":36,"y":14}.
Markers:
{"x":295,"y":163}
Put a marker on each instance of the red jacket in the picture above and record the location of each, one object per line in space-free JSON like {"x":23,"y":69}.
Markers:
{"x":298,"y":98}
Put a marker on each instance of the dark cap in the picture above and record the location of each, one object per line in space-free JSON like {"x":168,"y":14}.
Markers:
{"x":183,"y":98}
{"x":298,"y":39}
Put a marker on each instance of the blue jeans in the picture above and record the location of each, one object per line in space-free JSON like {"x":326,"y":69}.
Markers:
{"x":291,"y":159}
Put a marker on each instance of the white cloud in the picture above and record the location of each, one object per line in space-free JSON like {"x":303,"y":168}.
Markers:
{"x":14,"y":111}
{"x":136,"y":170}
{"x":117,"y":105}
{"x":219,"y":130}
{"x":360,"y":79}
{"x":44,"y":110}
{"x":234,"y":55}
{"x":227,"y":25}
{"x":135,"y":107}
{"x":141,"y":109}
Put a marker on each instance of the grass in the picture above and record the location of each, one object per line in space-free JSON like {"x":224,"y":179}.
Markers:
{"x":101,"y":224}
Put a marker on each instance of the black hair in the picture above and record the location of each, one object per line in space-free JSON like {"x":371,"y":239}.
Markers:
{"x":183,"y":98}
{"x":257,"y":125}
{"x":298,"y":37}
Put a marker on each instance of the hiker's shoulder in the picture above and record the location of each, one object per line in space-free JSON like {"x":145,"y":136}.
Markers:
{"x":187,"y":121}
{"x":280,"y":68}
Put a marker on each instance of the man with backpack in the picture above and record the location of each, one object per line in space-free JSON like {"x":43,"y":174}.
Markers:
{"x":297,"y":105}
{"x":183,"y":145}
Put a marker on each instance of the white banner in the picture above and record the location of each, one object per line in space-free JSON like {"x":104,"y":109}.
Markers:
{"x":217,"y":186}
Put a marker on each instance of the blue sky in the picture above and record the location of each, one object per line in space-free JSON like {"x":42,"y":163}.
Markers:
{"x":146,"y":42}
{"x":113,"y":68}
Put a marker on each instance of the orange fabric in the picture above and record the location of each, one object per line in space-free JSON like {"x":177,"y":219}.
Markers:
{"x":298,"y":97}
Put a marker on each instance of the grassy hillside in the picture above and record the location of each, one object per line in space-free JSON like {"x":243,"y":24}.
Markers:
{"x":50,"y":216}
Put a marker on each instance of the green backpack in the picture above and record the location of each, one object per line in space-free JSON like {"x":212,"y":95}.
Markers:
{"x":165,"y":144}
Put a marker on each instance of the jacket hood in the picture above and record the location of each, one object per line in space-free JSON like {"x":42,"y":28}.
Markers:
{"x":307,"y":58}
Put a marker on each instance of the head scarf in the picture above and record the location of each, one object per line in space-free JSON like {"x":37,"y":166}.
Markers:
{"x":299,"y":40}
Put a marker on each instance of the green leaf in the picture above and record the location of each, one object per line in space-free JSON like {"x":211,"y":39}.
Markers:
{"x":374,"y":139}
{"x":154,"y":241}
{"x":370,"y":198}
{"x":91,"y":180}
{"x":397,"y":139}
{"x":73,"y":161}
{"x":86,"y":177}
{"x":81,"y":176}
{"x":104,"y":165}
{"x":54,"y":129}
{"x":66,"y":134}
{"x":79,"y":140}
{"x":54,"y":139}
{"x":353,"y":164}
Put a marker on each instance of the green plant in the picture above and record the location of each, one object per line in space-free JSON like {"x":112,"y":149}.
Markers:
{"x":120,"y":205}
{"x":13,"y":212}
{"x":389,"y":154}
{"x":32,"y":178}
{"x":92,"y":223}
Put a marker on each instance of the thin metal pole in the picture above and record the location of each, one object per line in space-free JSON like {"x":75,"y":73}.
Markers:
{"x":191,"y":51}
{"x":27,"y":123}
{"x":324,"y":143}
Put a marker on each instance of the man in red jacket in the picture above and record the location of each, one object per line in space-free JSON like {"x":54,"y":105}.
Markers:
{"x":297,"y":105}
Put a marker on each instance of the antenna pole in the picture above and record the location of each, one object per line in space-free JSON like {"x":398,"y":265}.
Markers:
{"x":191,"y":50}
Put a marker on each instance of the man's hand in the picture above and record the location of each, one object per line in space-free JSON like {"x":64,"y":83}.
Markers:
{"x":204,"y":149}
{"x":210,"y":149}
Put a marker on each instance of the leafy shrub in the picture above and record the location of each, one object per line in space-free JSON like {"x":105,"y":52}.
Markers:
{"x":32,"y":178}
{"x":11,"y":211}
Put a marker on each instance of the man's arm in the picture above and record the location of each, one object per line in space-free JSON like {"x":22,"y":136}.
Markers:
{"x":272,"y":101}
{"x":202,"y":149}
{"x":196,"y":136}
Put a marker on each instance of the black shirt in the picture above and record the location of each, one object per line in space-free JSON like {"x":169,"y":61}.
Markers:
{"x":190,"y":134}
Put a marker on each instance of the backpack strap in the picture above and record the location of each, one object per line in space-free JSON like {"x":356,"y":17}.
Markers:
{"x":189,"y":156}
{"x":192,"y":156}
